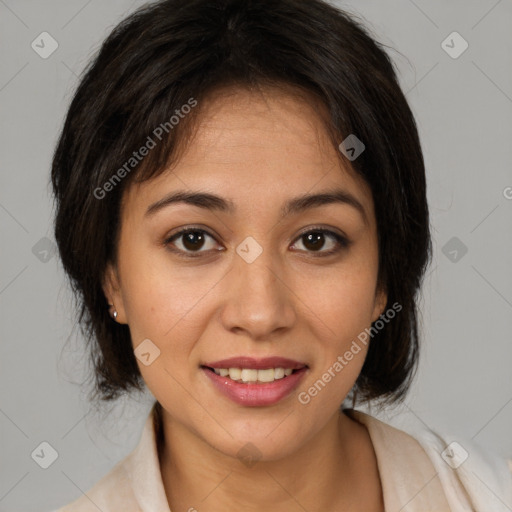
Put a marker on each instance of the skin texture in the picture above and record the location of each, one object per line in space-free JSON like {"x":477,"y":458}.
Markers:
{"x":259,"y":149}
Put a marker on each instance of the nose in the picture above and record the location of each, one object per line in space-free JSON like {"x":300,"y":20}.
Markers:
{"x":258,"y":300}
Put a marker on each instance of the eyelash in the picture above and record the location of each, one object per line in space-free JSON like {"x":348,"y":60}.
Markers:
{"x":343,"y":242}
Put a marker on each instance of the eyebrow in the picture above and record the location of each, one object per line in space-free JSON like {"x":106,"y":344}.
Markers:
{"x":293,"y":206}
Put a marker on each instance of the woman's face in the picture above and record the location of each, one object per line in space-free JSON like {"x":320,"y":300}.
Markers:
{"x":249,"y":282}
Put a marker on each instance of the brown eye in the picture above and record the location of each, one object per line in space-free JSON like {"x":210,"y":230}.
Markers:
{"x":191,"y":240}
{"x":315,"y":240}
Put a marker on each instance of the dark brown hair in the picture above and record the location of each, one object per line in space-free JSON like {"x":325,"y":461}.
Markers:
{"x":169,"y":52}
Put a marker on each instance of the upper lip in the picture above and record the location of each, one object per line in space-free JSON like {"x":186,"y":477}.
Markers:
{"x":256,"y":364}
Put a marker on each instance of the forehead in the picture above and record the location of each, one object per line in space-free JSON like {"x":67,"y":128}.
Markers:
{"x":257,"y":148}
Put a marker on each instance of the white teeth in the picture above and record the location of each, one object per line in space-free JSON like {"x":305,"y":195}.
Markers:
{"x":266,"y":375}
{"x":248,"y":375}
{"x":235,"y":373}
{"x":252,"y":375}
{"x":278,"y":373}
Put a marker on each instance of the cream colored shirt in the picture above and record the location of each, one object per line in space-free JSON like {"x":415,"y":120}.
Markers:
{"x":414,"y":476}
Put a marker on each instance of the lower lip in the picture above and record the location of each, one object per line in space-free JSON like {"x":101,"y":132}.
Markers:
{"x":254,"y":395}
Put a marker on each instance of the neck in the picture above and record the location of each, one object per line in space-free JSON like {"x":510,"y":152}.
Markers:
{"x":334,"y":467}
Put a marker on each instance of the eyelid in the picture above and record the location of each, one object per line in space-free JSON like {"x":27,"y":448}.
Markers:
{"x":325,"y":228}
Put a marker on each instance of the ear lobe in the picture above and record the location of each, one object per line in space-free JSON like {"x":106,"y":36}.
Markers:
{"x":112,"y":290}
{"x":381,"y":299}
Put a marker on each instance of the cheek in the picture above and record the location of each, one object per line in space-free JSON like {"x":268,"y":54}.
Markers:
{"x":170,"y":305}
{"x":342,"y":311}
{"x":343,"y":298}
{"x":350,"y":306}
{"x":157,"y":294}
{"x":162,"y":305}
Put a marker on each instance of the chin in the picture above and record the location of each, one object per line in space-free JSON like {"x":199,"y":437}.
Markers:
{"x":259,"y":439}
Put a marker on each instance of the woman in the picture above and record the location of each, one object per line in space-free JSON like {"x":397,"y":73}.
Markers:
{"x":241,"y":209}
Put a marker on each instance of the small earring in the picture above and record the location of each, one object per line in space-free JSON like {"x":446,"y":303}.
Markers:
{"x":114,"y":313}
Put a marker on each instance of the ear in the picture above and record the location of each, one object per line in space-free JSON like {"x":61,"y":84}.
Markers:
{"x":381,"y":299}
{"x":112,"y":290}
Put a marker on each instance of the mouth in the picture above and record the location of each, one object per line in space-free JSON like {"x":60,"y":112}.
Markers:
{"x":253,"y":375}
{"x":255,"y":382}
{"x":251,"y":370}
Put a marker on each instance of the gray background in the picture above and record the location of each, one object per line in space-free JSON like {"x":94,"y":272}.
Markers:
{"x":463,"y":107}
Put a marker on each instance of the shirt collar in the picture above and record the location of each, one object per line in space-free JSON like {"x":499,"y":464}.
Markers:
{"x":143,"y":467}
{"x":407,"y":475}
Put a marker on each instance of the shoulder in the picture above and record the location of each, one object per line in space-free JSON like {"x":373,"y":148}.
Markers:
{"x":485,"y":476}
{"x":467,"y":472}
{"x":133,"y":481}
{"x":112,"y":493}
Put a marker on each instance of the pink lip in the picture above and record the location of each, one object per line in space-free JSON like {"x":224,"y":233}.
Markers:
{"x":256,"y":364}
{"x":257,"y":394}
{"x":253,"y":395}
